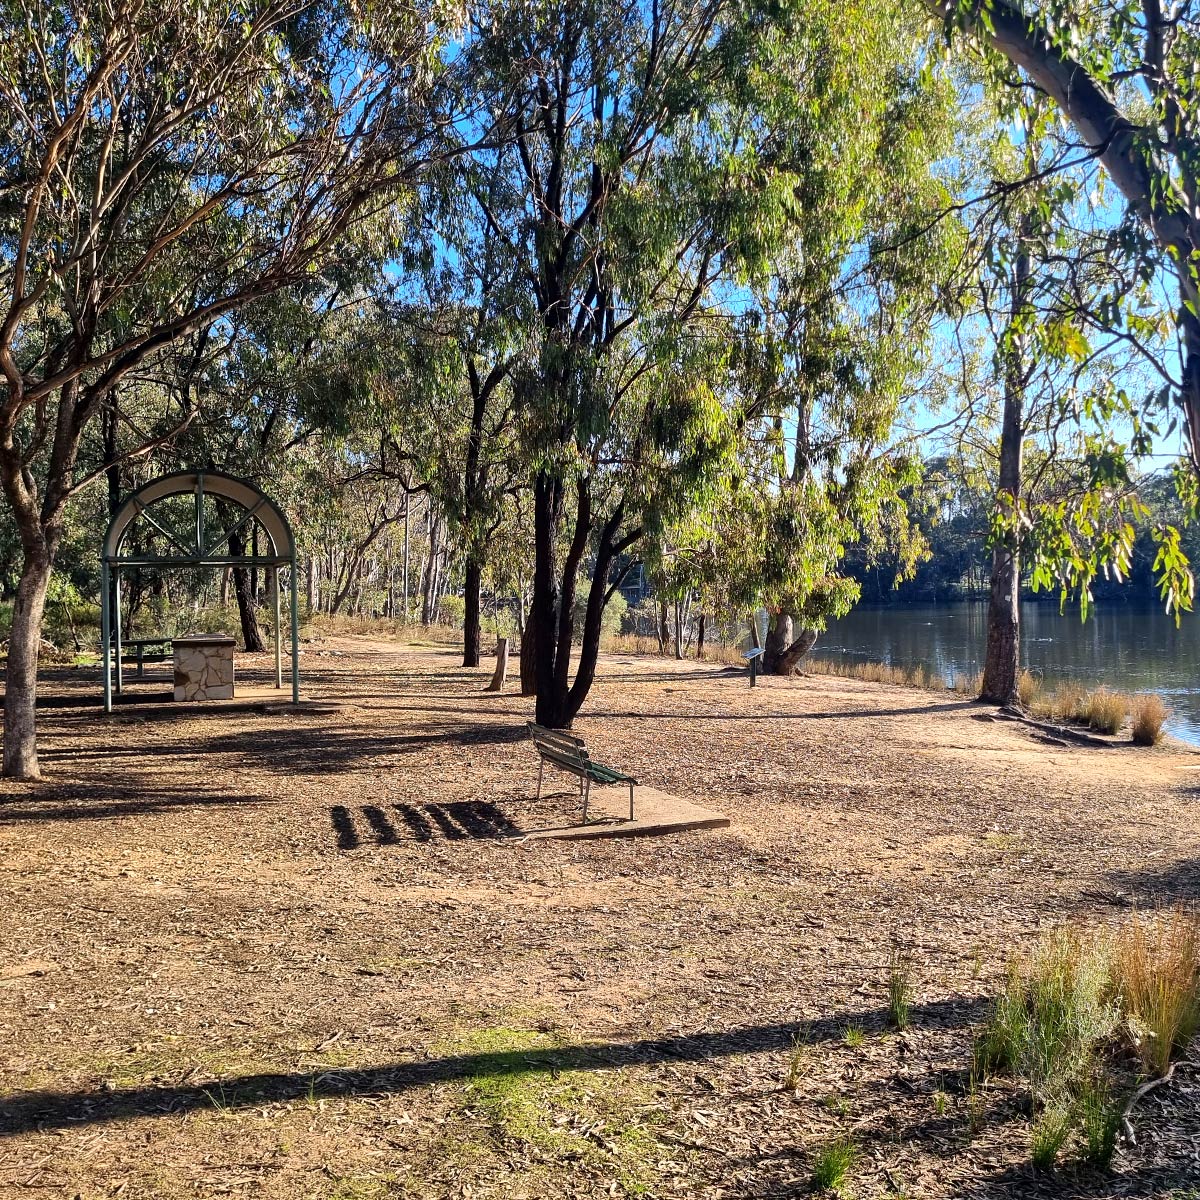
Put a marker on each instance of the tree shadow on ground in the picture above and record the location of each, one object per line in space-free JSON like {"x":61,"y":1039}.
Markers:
{"x":1171,"y":883}
{"x":22,"y":1112}
{"x":91,"y":802}
{"x":305,"y":748}
{"x":915,"y":710}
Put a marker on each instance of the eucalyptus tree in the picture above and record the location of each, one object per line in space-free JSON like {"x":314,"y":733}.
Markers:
{"x":656,"y":173}
{"x":1123,"y":74}
{"x":455,"y":327}
{"x":840,"y":338}
{"x":162,"y":166}
{"x":1060,"y":485}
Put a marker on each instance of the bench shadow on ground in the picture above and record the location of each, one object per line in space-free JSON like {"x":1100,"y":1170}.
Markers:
{"x":389,"y":825}
{"x":453,"y":821}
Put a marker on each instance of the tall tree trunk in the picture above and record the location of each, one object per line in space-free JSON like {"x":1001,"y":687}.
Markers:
{"x":664,"y":630}
{"x":20,"y":676}
{"x":472,"y":585}
{"x":543,"y":611}
{"x":1002,"y":659}
{"x":252,"y":638}
{"x":679,"y":627}
{"x":407,"y":507}
{"x":700,"y":636}
{"x":253,"y":572}
{"x":529,"y":659}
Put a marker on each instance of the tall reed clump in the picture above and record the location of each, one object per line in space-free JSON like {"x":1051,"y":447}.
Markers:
{"x":1156,"y":976}
{"x":1087,"y":1015}
{"x":1106,"y":710}
{"x":1149,"y":716}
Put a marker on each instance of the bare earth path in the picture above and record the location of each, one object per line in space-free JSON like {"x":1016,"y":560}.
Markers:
{"x":282,"y":956}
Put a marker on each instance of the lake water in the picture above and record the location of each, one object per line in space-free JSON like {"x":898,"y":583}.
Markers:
{"x":1129,"y":649}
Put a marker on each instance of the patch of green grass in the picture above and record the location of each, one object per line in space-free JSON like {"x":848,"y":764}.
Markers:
{"x":941,"y":1103}
{"x":833,"y":1164}
{"x":515,"y":1072}
{"x":361,"y":1187}
{"x":854,"y":1036}
{"x":522,"y":1088}
{"x":1002,"y":842}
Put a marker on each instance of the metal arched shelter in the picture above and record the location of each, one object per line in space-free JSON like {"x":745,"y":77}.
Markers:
{"x":199,"y":546}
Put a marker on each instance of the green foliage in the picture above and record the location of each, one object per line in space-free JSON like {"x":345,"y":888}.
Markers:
{"x":450,"y":611}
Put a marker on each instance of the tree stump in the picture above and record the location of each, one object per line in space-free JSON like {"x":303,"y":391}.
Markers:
{"x":501,"y":673}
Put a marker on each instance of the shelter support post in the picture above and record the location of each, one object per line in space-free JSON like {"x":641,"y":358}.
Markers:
{"x":117,"y":625}
{"x":295,"y":634}
{"x":278,"y":631}
{"x":105,"y":636}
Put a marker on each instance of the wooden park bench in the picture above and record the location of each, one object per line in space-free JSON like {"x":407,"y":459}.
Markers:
{"x":568,"y":753}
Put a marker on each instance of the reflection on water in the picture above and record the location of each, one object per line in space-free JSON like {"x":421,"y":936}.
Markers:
{"x":1132,"y":650}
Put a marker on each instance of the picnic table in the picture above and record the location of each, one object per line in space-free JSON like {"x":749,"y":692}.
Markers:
{"x":142,"y":651}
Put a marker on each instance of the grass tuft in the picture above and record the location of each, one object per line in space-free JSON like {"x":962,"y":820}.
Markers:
{"x":1098,"y":1113}
{"x":854,"y":1036}
{"x":1149,"y":716}
{"x":833,"y":1164}
{"x":900,"y":988}
{"x":1051,"y":1131}
{"x":1029,"y":687}
{"x":796,"y":1056}
{"x":1106,"y":710}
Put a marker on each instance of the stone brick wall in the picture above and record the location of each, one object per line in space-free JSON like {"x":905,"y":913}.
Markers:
{"x":203,"y":668}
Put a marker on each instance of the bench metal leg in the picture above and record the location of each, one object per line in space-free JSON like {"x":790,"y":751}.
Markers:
{"x":631,"y":801}
{"x":586,"y":792}
{"x":541,"y":772}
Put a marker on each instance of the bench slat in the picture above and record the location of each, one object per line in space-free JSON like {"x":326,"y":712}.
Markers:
{"x":568,"y":761}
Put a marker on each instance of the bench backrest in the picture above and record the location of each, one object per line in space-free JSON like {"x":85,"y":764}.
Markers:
{"x":563,"y":748}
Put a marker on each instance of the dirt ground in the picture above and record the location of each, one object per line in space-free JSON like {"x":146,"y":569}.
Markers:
{"x":286,"y":955}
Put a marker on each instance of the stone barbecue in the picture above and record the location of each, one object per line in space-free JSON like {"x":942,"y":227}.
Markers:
{"x":203,"y":667}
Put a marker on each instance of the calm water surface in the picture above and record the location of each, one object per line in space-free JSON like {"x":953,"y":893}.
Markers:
{"x":1130,"y":649}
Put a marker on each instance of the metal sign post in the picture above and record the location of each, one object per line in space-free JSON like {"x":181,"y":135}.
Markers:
{"x":752,"y":657}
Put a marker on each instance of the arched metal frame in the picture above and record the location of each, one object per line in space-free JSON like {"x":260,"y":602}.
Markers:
{"x":202,"y":552}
